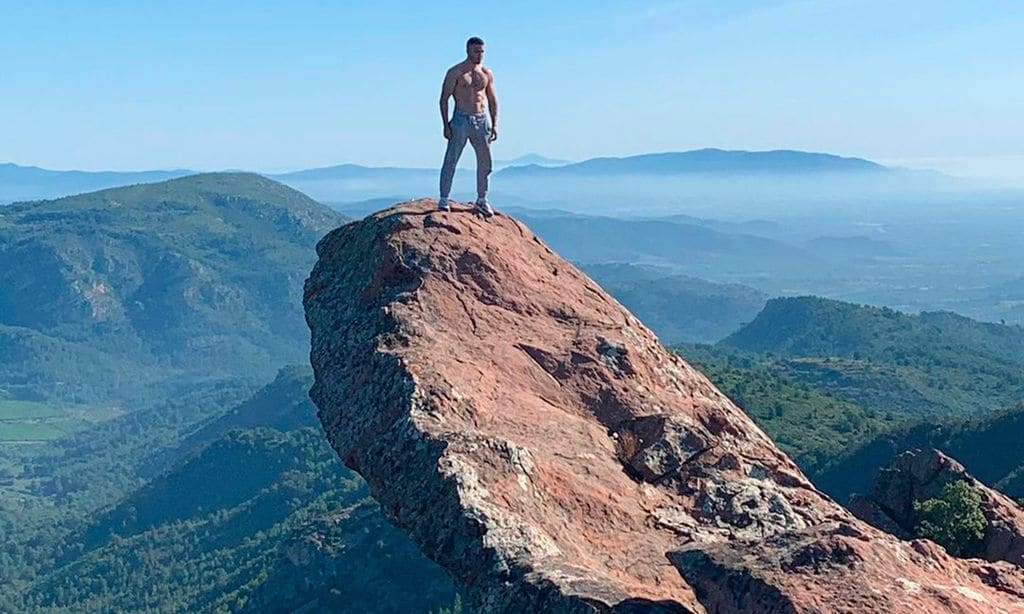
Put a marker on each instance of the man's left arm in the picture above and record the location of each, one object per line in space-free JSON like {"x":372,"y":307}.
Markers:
{"x":492,"y":106}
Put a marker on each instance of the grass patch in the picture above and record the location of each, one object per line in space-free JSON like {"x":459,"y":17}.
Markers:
{"x":24,"y":410}
{"x":33,"y":431}
{"x":30,"y":421}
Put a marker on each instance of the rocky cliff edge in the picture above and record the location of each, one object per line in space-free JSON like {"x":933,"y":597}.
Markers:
{"x":536,"y":440}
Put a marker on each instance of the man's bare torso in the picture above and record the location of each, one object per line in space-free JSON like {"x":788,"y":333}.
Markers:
{"x":471,"y":82}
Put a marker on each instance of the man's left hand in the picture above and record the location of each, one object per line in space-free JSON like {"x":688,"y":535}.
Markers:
{"x":494,"y":134}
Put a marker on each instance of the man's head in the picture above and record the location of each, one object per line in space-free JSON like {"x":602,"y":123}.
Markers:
{"x":475,"y":50}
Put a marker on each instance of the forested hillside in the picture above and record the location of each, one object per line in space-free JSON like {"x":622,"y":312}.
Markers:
{"x":990,"y":447}
{"x":216,"y":511}
{"x":110,"y":295}
{"x":932,"y":364}
{"x":845,"y":387}
{"x":812,"y":425}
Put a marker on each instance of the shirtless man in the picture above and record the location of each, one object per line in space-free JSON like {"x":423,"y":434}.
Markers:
{"x":470,"y":83}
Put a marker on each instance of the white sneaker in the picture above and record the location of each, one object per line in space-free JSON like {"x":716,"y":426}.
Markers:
{"x":484,"y":207}
{"x":442,"y":205}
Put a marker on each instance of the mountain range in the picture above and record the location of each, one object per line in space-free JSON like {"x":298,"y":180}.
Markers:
{"x":32,"y":183}
{"x":684,"y":246}
{"x":530,"y":158}
{"x":704,"y":161}
{"x":845,"y":387}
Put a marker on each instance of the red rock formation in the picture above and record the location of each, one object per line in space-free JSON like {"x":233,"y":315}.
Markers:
{"x":922,"y":474}
{"x":537,"y":441}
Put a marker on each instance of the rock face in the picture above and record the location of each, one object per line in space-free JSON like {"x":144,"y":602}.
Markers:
{"x":537,"y":441}
{"x":921,"y":474}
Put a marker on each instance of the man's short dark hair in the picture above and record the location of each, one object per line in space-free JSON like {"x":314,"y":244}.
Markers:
{"x":474,"y":40}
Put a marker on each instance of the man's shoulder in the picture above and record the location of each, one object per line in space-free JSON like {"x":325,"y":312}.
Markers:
{"x":460,"y":67}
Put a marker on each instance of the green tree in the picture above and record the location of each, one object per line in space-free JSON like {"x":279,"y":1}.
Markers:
{"x":954,"y":519}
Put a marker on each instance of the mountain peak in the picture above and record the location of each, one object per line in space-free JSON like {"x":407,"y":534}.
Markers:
{"x":531,"y":159}
{"x":708,"y":160}
{"x":211,"y":192}
{"x":535,"y":439}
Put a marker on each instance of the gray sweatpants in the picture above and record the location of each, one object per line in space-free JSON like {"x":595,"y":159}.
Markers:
{"x":476,"y":129}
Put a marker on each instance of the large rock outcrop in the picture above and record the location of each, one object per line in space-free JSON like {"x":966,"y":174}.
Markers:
{"x":537,"y":441}
{"x":921,"y":474}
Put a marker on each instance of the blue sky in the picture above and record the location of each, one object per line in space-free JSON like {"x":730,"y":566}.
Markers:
{"x":276,"y":86}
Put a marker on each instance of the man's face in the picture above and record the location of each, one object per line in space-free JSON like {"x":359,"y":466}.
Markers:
{"x":475,"y":53}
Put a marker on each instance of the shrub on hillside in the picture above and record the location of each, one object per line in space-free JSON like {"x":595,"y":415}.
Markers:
{"x":953,"y":520}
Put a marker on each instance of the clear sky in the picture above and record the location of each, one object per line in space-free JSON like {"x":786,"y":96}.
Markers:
{"x":287,"y":85}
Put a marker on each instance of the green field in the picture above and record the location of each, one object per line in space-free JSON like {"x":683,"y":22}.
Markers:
{"x":23,"y":410}
{"x":29,"y":421}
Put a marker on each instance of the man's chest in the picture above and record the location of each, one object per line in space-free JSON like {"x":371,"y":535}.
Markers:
{"x":472,"y":79}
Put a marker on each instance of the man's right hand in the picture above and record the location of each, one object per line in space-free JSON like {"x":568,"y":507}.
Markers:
{"x":448,"y":132}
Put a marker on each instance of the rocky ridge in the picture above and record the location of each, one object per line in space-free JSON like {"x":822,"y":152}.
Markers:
{"x":921,"y":474}
{"x":536,"y":440}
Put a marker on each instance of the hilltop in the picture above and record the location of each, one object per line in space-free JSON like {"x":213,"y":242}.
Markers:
{"x":930,"y":364}
{"x":104,"y":293}
{"x":31,"y":182}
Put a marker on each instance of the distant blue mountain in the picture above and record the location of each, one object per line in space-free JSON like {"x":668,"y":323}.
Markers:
{"x":357,"y":171}
{"x":531,"y":158}
{"x":352,"y":182}
{"x":704,"y":161}
{"x":353,"y":171}
{"x":25,"y":183}
{"x":33,"y":183}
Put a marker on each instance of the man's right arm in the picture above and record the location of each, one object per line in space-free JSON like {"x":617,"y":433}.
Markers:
{"x":447,"y":90}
